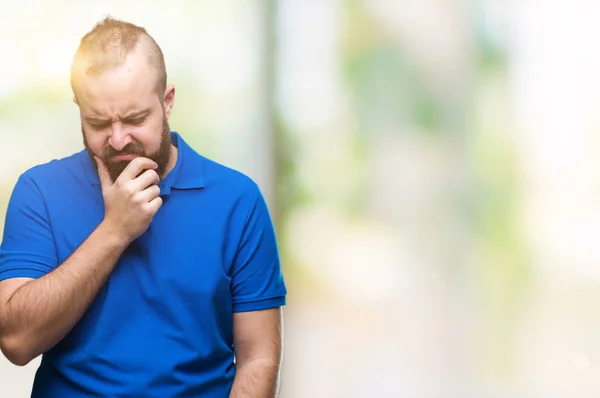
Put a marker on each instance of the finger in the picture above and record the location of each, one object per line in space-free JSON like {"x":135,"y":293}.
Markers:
{"x":148,"y":177}
{"x":149,"y":194}
{"x":155,"y":204}
{"x":135,"y":167}
{"x":103,"y":174}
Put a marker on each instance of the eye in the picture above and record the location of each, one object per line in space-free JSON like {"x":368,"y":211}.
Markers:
{"x":98,"y":125}
{"x":137,"y":121}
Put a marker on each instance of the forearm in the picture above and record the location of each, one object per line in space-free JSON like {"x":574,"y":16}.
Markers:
{"x":42,"y":311}
{"x":258,"y":378}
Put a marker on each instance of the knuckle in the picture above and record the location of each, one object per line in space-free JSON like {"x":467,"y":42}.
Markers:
{"x":128,"y":191}
{"x":129,"y":188}
{"x":154,"y":175}
{"x":137,"y":161}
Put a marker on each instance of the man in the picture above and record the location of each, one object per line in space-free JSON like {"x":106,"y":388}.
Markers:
{"x":137,"y":267}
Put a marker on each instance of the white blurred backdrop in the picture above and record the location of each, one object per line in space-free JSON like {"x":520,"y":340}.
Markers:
{"x":432,"y":167}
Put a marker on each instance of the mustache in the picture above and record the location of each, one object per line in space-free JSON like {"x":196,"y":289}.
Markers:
{"x":133,"y":148}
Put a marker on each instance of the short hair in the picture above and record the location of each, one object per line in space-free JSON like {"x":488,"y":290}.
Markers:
{"x":108,"y":44}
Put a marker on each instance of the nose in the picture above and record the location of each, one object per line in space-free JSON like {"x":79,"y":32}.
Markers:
{"x":119,"y":138}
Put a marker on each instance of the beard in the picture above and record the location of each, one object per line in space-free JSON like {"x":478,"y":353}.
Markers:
{"x":115,"y":167}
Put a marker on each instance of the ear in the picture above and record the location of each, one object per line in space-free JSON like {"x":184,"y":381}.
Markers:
{"x":75,"y":100}
{"x":169,"y":99}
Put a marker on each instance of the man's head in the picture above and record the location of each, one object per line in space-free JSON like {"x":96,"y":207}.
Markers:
{"x":118,"y":78}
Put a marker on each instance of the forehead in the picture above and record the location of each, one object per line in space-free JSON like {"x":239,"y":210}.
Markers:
{"x":119,"y":90}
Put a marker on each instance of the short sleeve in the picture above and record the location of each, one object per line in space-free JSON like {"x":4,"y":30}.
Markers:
{"x":27,"y":249}
{"x":256,"y":278}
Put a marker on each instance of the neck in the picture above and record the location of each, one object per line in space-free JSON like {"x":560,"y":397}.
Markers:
{"x":172,"y":161}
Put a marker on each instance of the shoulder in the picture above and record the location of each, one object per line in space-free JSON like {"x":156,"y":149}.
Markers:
{"x":230,"y":189}
{"x":55,"y":173}
{"x":35,"y":186}
{"x":198,"y":170}
{"x":44,"y":170}
{"x":221,"y":176}
{"x":216,"y":177}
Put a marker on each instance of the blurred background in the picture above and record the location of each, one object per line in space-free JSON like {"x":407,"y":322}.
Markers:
{"x":432,"y":167}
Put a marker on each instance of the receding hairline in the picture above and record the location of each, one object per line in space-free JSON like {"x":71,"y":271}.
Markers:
{"x":109,"y":44}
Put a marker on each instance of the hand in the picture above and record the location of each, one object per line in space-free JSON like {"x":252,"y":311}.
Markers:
{"x":130,"y":203}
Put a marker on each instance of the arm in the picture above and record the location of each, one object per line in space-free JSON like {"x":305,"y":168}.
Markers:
{"x":258,"y":293}
{"x":257,"y":341}
{"x":35,"y":314}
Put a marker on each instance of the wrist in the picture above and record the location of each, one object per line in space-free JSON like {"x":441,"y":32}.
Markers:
{"x":113,"y":235}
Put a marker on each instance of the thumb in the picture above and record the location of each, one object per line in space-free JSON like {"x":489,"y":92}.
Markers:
{"x":105,"y":180}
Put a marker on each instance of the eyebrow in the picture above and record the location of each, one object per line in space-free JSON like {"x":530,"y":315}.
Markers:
{"x":131,"y":115}
{"x":137,"y":114}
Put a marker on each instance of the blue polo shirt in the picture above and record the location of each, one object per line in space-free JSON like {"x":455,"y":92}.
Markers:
{"x":162,"y":324}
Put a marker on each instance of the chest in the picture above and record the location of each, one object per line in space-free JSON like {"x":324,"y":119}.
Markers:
{"x":170,"y":285}
{"x":182,"y":258}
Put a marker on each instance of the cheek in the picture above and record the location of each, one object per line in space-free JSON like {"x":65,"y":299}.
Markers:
{"x":149,"y":136}
{"x":96,"y":142}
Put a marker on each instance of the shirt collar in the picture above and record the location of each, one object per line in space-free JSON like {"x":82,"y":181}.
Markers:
{"x":187,"y":173}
